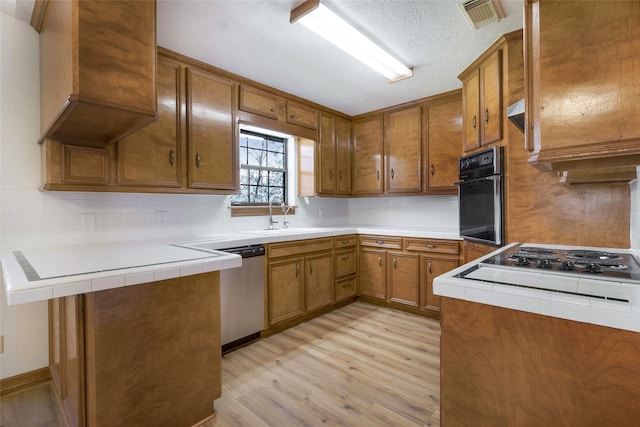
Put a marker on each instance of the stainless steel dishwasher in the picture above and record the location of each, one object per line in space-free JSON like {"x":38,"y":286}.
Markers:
{"x":242,"y":298}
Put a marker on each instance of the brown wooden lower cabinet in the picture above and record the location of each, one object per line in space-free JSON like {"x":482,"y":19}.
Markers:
{"x":399,"y":271}
{"x":502,"y":367}
{"x":148,"y":354}
{"x":472,"y":250}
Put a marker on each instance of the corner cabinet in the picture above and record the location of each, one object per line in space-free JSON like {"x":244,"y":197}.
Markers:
{"x":582,"y":86}
{"x":97,"y":61}
{"x":368,"y":155}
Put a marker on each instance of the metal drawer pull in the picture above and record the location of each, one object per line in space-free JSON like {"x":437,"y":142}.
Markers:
{"x":345,"y":258}
{"x":380,"y":261}
{"x":430,"y":246}
{"x":380,"y":242}
{"x":395,"y":262}
{"x":198,"y":158}
{"x":392,"y":174}
{"x":346,"y":285}
{"x":172,"y":157}
{"x":429,"y":266}
{"x":345,"y":241}
{"x":310,"y":268}
{"x":378,"y":175}
{"x":473,"y":121}
{"x":433,"y":170}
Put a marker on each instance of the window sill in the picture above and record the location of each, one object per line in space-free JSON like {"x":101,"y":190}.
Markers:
{"x":258,"y":211}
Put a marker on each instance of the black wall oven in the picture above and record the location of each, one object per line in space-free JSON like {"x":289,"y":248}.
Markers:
{"x":480,"y":197}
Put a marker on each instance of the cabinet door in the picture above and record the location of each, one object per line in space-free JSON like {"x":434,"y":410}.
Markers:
{"x":471,"y":105}
{"x":286,"y":290}
{"x":346,"y":288}
{"x":444,"y":136}
{"x":212,"y":143}
{"x":404,"y":278}
{"x":433,"y":268}
{"x":73,"y":390}
{"x":259,"y":102}
{"x":373,"y":273}
{"x":367,"y":156}
{"x":404,"y":150}
{"x":319,"y":281}
{"x":302,"y":115}
{"x":343,"y":156}
{"x":151,"y":156}
{"x":491,"y":96}
{"x":472,"y":251}
{"x":327,"y":154}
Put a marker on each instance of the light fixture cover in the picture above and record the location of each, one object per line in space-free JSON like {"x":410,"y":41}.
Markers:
{"x":324,"y":22}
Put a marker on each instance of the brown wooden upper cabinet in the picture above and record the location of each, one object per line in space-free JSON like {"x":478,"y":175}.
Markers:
{"x":302,"y":115}
{"x":334,"y":155}
{"x":482,"y":100}
{"x":442,"y":142}
{"x":582,"y":92}
{"x":200,"y":145}
{"x":368,"y":155}
{"x":403,"y":142}
{"x":98,"y":70}
{"x":260,"y":102}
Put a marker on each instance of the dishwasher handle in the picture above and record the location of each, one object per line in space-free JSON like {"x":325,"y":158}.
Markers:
{"x":247,"y":251}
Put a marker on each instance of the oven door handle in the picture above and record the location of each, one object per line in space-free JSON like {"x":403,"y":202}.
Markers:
{"x":484,"y":178}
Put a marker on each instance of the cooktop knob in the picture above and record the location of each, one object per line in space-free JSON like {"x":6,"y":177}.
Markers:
{"x":522,"y":261}
{"x":592,"y":267}
{"x":568,"y":266}
{"x":544,"y":263}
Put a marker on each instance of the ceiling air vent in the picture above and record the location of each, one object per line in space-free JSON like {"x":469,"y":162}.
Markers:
{"x":482,"y":12}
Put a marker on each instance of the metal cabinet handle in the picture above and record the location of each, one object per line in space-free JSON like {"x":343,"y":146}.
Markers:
{"x":486,"y":115}
{"x":310,"y":267}
{"x":198,"y":158}
{"x":297,"y":268}
{"x":345,"y":241}
{"x":273,"y":110}
{"x":395,"y":263}
{"x":340,"y":175}
{"x":378,"y":175}
{"x":392,"y":174}
{"x":473,"y":121}
{"x":346,"y":285}
{"x":429,"y":267}
{"x":380,"y":260}
{"x":172,"y":157}
{"x":380,"y":242}
{"x":330,"y":174}
{"x":433,"y":170}
{"x":346,"y":258}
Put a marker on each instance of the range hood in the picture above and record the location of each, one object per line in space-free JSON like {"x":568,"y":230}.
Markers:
{"x":515,"y":112}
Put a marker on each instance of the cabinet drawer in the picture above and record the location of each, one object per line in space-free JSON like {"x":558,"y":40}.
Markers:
{"x":345,"y":241}
{"x":299,"y":247}
{"x":346,"y":288}
{"x":301,"y":115}
{"x":259,"y":102}
{"x":431,"y":245}
{"x":381,"y":241}
{"x":345,"y":263}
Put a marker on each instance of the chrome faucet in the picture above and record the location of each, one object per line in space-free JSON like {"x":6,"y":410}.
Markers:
{"x":271,"y":221}
{"x":285,"y":210}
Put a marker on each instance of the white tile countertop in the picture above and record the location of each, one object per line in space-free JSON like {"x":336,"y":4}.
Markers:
{"x":50,"y":272}
{"x":562,"y":297}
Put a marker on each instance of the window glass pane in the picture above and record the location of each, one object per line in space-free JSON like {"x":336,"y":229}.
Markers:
{"x":275,"y":160}
{"x":276,"y":179}
{"x":276,"y":146}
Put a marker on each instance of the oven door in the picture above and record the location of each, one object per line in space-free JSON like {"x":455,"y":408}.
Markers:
{"x":480,"y":209}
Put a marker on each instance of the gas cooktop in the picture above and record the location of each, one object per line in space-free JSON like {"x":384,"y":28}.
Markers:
{"x":572,"y":261}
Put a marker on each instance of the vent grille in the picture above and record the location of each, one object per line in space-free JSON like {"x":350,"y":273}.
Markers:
{"x":481,"y":12}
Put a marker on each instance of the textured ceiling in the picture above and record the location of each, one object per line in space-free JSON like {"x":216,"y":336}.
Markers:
{"x":253,"y":38}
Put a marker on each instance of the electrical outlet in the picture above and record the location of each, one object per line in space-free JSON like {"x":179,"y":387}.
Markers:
{"x":88,"y":222}
{"x":161,"y":217}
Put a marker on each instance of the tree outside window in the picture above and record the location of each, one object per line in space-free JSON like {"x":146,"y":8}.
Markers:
{"x":263,"y":169}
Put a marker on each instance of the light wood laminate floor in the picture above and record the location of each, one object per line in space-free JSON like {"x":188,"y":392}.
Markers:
{"x":361,"y":365}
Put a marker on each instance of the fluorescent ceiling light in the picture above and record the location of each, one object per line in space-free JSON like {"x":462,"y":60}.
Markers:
{"x":319,"y":19}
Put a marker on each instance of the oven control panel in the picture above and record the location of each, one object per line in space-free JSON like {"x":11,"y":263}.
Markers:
{"x":481,"y":164}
